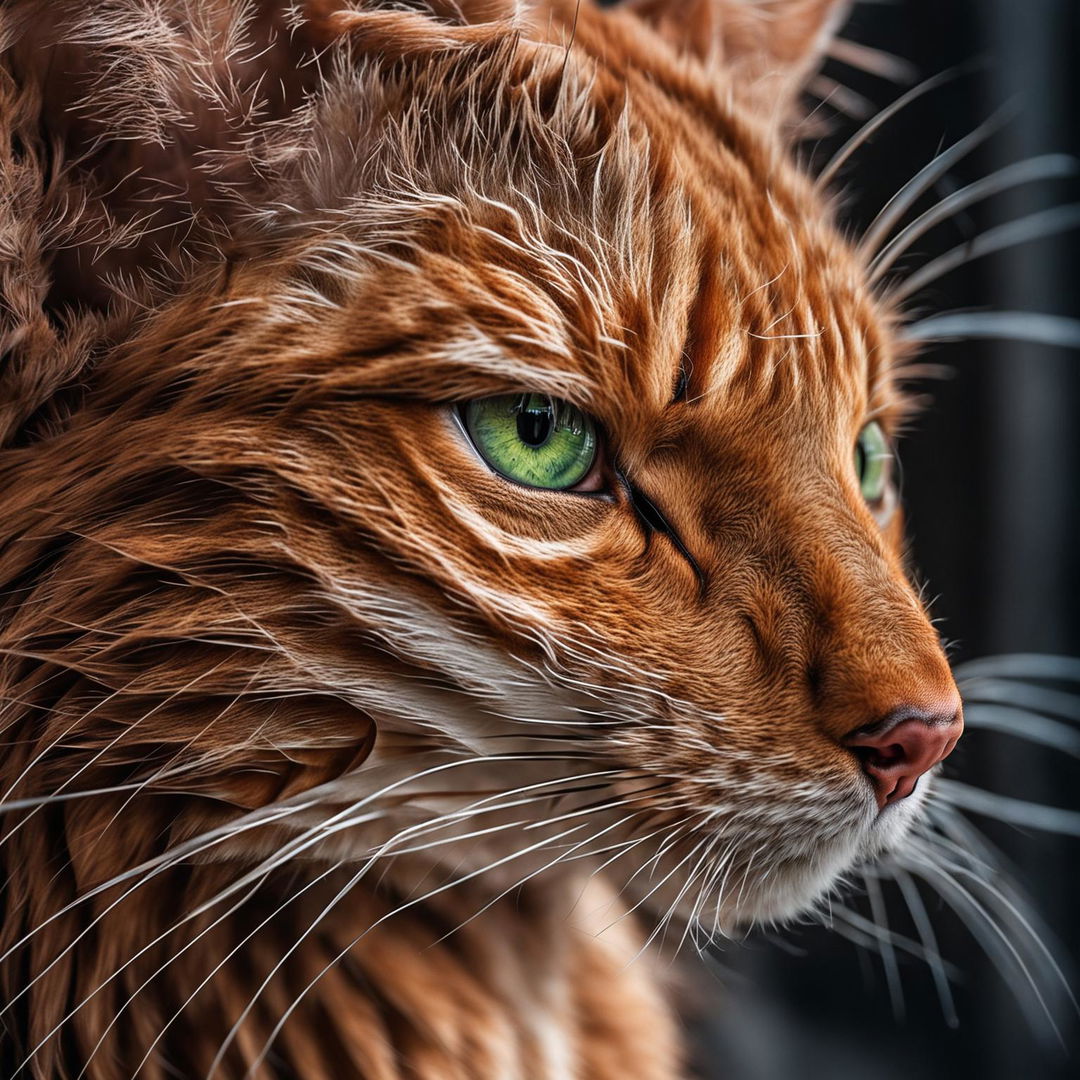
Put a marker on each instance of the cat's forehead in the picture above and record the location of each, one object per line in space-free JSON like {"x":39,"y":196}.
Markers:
{"x":704,"y":248}
{"x":760,"y":292}
{"x":598,"y":236}
{"x":711,"y":263}
{"x":764,"y":299}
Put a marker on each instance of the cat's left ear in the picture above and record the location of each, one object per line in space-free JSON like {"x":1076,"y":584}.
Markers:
{"x":771,"y":46}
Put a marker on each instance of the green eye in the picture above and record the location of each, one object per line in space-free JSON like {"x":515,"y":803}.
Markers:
{"x":533,"y":439}
{"x":871,"y":462}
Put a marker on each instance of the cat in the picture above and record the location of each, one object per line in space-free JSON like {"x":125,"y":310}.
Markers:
{"x":450,"y":537}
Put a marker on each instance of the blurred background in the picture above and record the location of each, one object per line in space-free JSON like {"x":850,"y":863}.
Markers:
{"x":990,"y":484}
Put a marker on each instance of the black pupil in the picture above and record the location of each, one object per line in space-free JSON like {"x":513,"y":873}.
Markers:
{"x":534,"y":426}
{"x":860,"y":460}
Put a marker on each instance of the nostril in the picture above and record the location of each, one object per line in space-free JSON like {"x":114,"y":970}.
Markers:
{"x":903,"y":746}
{"x":879,"y":757}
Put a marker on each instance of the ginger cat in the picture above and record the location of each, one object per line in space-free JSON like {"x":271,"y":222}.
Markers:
{"x":449,"y":536}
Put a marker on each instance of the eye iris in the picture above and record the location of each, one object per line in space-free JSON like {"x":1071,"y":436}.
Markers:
{"x":871,"y":460}
{"x":533,"y":439}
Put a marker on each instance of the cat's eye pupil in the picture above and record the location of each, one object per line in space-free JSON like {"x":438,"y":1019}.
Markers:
{"x":534,"y":426}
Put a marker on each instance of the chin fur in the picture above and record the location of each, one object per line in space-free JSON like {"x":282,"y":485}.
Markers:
{"x":795,"y":887}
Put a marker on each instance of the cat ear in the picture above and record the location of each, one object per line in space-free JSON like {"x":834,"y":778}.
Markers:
{"x":773,"y":46}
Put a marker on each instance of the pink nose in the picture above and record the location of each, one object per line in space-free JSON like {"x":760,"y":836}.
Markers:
{"x":896,"y":751}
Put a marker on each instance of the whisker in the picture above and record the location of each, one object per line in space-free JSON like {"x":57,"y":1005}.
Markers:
{"x":1030,"y":326}
{"x":101,"y":986}
{"x":842,"y":98}
{"x":746,"y":874}
{"x":1014,"y":811}
{"x":1020,"y":914}
{"x":263,"y":869}
{"x":706,"y":841}
{"x":1023,"y":724}
{"x":826,"y":176}
{"x":1046,"y":167}
{"x":622,"y":848}
{"x":525,"y":824}
{"x":217,"y":967}
{"x":894,"y":210}
{"x":1042,"y":223}
{"x":151,"y":868}
{"x":724,"y":865}
{"x":873,"y":61}
{"x":112,"y":743}
{"x":866,"y":933}
{"x":188,"y":848}
{"x":674,"y":833}
{"x":162,"y":864}
{"x":986,"y":930}
{"x":1024,"y":696}
{"x":66,"y":796}
{"x":708,"y":876}
{"x":947,"y":825}
{"x":502,"y":801}
{"x":283,"y":1019}
{"x":563,"y":856}
{"x":1023,"y":666}
{"x":885,"y":949}
{"x":703,"y":846}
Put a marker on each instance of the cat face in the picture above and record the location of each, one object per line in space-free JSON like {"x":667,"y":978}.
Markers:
{"x":714,"y":603}
{"x":701,"y":646}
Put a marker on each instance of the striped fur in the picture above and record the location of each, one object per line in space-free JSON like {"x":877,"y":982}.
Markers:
{"x":329,"y":753}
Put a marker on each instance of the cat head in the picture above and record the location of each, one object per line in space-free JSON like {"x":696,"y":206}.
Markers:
{"x":479,"y":420}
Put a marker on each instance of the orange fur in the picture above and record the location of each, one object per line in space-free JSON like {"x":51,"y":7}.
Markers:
{"x":277,"y":650}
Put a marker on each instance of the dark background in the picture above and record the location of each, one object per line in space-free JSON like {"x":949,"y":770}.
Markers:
{"x":990,"y":486}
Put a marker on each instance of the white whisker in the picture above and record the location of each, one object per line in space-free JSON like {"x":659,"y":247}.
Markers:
{"x":1046,"y":167}
{"x":1015,"y":811}
{"x":888,"y":954}
{"x":1022,"y":724}
{"x":1034,"y":327}
{"x":283,"y":1019}
{"x":832,"y":168}
{"x":1057,"y":219}
{"x":894,"y":210}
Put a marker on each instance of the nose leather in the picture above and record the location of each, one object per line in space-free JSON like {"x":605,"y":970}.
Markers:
{"x":906,"y":744}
